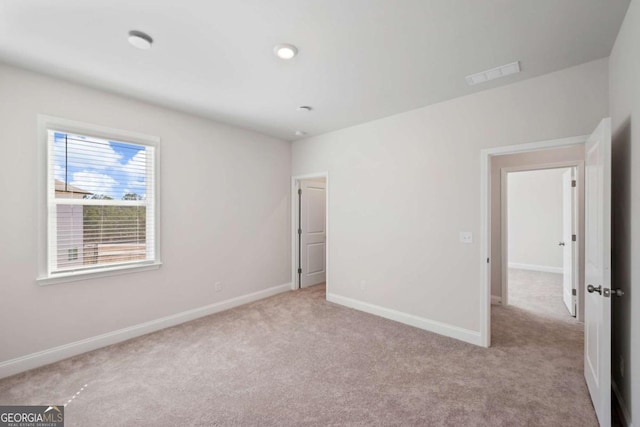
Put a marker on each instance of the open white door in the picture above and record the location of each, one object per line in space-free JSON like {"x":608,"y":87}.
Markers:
{"x":313,"y":228}
{"x":597,"y":310}
{"x":568,"y":244}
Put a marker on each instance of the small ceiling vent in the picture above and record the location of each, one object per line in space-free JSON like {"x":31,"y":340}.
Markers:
{"x":494,"y":73}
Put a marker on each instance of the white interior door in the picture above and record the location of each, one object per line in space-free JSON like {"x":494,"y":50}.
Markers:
{"x":597,"y":326}
{"x":313,"y":237}
{"x":567,"y":243}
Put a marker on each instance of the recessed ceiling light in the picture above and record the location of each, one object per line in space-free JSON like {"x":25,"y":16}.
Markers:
{"x":140,"y":40}
{"x":494,"y":73}
{"x":300,"y":133}
{"x":304,"y":108}
{"x":285,"y":51}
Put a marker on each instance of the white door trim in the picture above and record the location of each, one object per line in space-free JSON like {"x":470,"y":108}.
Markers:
{"x":485,"y":218}
{"x":294,"y":232}
{"x":504,"y":203}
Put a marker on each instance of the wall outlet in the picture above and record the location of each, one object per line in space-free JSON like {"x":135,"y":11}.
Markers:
{"x":621,"y":366}
{"x":217,"y":287}
{"x":466,"y":237}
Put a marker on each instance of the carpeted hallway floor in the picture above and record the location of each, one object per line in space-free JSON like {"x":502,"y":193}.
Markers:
{"x":538,"y":292}
{"x":295,"y":359}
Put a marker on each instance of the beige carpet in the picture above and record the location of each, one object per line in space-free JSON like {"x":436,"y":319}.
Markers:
{"x":538,"y":292}
{"x":295,"y":359}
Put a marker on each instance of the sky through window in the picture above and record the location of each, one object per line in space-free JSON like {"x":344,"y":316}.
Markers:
{"x":101,"y":167}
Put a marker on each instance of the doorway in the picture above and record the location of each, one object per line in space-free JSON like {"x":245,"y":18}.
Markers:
{"x":310,"y":230}
{"x":563,"y":152}
{"x":540,"y":248}
{"x":594,"y":241}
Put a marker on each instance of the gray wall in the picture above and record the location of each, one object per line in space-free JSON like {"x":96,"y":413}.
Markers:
{"x":224,"y":195}
{"x":403,"y":187}
{"x":535,"y":219}
{"x":624,"y":84}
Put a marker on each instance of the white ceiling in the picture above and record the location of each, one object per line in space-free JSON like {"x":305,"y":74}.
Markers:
{"x":359,"y":60}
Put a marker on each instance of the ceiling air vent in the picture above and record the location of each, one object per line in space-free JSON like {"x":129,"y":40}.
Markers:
{"x":494,"y":73}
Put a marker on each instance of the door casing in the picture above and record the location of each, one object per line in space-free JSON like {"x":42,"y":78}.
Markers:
{"x":295,"y":184}
{"x":485,"y":218}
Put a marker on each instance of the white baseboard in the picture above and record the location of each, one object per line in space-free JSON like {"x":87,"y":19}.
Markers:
{"x":533,"y":267}
{"x":625,"y":411}
{"x":45,"y":357}
{"x":496,"y":300}
{"x":458,"y":333}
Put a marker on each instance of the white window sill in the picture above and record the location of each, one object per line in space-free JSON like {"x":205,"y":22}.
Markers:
{"x":74,"y":276}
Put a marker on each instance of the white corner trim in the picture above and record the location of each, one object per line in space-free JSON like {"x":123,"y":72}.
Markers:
{"x":533,"y":267}
{"x":55,"y":354}
{"x":472,"y":337}
{"x":496,"y":300}
{"x":625,"y":411}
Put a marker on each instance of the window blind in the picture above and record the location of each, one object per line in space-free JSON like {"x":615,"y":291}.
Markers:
{"x":101,"y":203}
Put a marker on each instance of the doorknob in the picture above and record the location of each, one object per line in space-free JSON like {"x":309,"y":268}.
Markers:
{"x":561,"y":244}
{"x":591,"y":289}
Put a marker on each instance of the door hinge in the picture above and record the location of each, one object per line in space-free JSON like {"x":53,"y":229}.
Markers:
{"x":574,"y":183}
{"x":487,"y":260}
{"x":574,"y":238}
{"x":299,"y":191}
{"x":573,"y":292}
{"x":299,"y":230}
{"x":299,"y":271}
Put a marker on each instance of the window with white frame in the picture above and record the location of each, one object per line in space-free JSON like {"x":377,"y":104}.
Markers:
{"x":101,"y":212}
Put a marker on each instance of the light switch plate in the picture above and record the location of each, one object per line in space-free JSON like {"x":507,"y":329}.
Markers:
{"x":466,"y":237}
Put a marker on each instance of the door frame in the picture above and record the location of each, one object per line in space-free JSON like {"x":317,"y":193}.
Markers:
{"x":579,"y":223}
{"x":485,"y":218}
{"x":295,"y":184}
